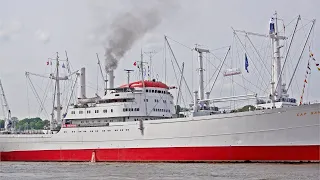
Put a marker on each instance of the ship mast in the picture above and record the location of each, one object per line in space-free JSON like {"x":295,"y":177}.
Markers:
{"x":150,"y":54}
{"x":58,"y":91}
{"x":277,"y":87}
{"x":144,"y":93}
{"x":58,"y":106}
{"x":128,"y":76}
{"x":201,"y":86}
{"x":276,"y":67}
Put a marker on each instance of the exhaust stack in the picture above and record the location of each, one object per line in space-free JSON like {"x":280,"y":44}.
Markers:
{"x":82,"y":84}
{"x":111,"y":79}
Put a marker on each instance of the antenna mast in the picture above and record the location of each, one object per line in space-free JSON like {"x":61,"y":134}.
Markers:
{"x":128,"y":73}
{"x":150,"y":54}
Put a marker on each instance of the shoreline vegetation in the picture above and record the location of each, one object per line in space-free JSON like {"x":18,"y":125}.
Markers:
{"x":27,"y":124}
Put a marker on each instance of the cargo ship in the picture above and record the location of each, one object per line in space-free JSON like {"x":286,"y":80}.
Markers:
{"x":138,"y":122}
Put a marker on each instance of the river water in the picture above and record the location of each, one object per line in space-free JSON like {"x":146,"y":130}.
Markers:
{"x":157,"y":171}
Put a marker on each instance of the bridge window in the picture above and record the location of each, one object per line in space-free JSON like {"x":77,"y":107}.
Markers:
{"x":111,"y":110}
{"x":80,"y":112}
{"x":96,"y":111}
{"x":73,"y":112}
{"x":105,"y":111}
{"x":88,"y":112}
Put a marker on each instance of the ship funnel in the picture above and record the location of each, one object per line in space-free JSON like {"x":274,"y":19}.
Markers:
{"x":111,"y":79}
{"x":82,"y":83}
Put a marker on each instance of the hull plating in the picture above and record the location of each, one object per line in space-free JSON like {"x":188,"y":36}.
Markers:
{"x":291,"y":134}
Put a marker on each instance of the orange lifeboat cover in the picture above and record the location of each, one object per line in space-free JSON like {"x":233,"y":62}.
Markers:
{"x":138,"y":84}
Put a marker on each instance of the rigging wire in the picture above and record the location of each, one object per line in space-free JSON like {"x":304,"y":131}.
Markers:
{"x":258,"y":54}
{"x":28,"y":98}
{"x":37,"y":95}
{"x":248,"y":54}
{"x":301,"y":54}
{"x":219,"y":70}
{"x":178,"y":65}
{"x":216,"y":67}
{"x":286,"y":57}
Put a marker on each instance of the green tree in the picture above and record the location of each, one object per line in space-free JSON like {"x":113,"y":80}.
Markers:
{"x":39,"y":125}
{"x":246,"y":108}
{"x":1,"y":123}
{"x":30,"y":123}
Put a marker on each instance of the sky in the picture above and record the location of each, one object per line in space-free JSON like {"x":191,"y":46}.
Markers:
{"x":33,"y":31}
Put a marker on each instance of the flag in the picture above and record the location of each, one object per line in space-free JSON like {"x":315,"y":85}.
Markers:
{"x":135,"y":63}
{"x":271,"y":23}
{"x":63,"y":66}
{"x":47,"y":62}
{"x":318,"y":68}
{"x":246,"y":63}
{"x":317,"y":64}
{"x":305,"y":80}
{"x":314,"y":59}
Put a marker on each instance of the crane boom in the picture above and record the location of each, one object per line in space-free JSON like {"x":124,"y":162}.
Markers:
{"x":257,"y":34}
{"x":6,"y":107}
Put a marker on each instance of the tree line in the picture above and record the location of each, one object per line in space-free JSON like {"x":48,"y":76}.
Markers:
{"x":28,"y":123}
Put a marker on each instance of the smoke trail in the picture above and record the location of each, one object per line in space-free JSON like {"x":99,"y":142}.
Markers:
{"x":129,"y":27}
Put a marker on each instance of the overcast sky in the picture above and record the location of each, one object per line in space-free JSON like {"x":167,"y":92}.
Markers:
{"x":33,"y":31}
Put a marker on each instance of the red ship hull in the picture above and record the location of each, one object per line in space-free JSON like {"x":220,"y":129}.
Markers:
{"x":174,"y":154}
